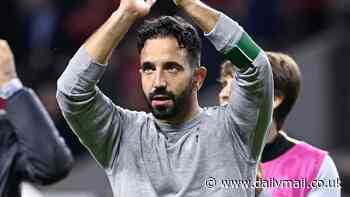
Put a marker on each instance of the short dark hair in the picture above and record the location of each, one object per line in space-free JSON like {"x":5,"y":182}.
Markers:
{"x":287,"y":82}
{"x":172,"y":26}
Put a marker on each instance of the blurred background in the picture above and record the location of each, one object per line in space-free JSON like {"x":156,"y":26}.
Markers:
{"x":44,"y":34}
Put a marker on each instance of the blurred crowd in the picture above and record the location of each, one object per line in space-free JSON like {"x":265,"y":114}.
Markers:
{"x":44,"y":34}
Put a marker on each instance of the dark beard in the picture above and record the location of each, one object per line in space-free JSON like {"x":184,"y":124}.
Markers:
{"x":181,"y":103}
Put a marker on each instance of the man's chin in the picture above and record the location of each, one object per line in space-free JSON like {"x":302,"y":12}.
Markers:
{"x":163,"y":113}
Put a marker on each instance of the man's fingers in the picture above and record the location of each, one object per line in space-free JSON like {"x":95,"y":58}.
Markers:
{"x":150,"y":3}
{"x":6,"y":55}
{"x":3,"y":42}
{"x":4,"y":46}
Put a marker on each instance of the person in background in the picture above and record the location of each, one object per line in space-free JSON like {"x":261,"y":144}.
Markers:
{"x":31,"y":149}
{"x":285,"y":158}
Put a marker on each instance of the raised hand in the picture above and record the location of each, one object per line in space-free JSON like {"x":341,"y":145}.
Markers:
{"x":7,"y":63}
{"x":139,"y":8}
{"x":101,"y":44}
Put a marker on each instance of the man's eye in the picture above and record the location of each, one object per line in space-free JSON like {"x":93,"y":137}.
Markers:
{"x":172,"y":68}
{"x":147,"y":69}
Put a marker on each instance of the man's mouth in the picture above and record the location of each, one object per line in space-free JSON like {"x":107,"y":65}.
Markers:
{"x":160,"y":97}
{"x":161,"y":101}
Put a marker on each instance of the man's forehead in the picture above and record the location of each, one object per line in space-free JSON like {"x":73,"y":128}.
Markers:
{"x":162,"y":49}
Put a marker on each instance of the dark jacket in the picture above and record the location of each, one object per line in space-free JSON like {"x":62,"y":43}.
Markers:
{"x":30,"y":146}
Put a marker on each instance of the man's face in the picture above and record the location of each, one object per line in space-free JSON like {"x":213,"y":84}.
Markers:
{"x":225,"y":93}
{"x":166,"y":77}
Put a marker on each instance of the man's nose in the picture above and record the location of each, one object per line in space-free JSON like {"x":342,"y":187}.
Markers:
{"x":159,"y":80}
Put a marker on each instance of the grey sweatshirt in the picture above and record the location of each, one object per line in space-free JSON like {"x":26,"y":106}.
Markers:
{"x":205,"y":156}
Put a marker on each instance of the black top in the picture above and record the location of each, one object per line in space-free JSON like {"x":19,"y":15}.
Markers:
{"x":30,"y":146}
{"x":275,"y":149}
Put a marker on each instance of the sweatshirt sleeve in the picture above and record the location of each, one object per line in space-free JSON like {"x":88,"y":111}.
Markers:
{"x":92,"y":116}
{"x":249,"y":112}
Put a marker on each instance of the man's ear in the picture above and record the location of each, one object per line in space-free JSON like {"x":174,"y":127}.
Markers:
{"x":277,"y":100}
{"x":199,"y":76}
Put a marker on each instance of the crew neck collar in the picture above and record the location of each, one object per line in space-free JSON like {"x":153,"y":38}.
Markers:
{"x":181,"y":126}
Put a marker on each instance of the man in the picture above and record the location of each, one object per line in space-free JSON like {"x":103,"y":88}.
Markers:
{"x":285,"y":158}
{"x":30,"y":147}
{"x":180,"y":149}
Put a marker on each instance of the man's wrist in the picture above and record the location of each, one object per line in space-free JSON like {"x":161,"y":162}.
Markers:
{"x":126,"y":15}
{"x":185,"y":4}
{"x":129,"y":14}
{"x":10,"y":88}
